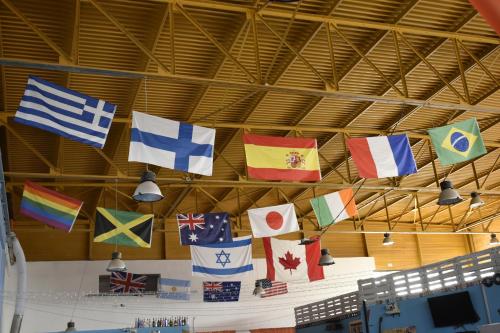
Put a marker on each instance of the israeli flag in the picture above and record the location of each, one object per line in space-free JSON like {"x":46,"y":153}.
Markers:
{"x":171,"y":144}
{"x":223,"y":259}
{"x":65,"y":112}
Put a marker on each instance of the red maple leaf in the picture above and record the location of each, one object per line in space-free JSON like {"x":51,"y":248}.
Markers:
{"x":289,"y":262}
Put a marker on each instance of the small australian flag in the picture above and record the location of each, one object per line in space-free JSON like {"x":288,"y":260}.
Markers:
{"x":203,"y":229}
{"x":221,"y":291}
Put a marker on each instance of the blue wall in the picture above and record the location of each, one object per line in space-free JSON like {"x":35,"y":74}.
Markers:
{"x":416,"y":312}
{"x":2,"y":255}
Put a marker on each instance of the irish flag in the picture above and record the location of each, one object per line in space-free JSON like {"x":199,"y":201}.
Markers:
{"x":334,"y":207}
{"x":49,"y":207}
{"x":279,"y":158}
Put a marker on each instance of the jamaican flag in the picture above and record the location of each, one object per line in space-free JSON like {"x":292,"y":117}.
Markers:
{"x":123,"y":228}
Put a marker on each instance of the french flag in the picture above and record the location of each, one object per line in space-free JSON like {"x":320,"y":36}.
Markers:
{"x":382,"y":156}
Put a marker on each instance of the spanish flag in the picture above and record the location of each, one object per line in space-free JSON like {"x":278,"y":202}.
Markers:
{"x":278,"y":158}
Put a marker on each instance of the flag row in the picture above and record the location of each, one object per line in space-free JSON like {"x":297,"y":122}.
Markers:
{"x":190,"y":148}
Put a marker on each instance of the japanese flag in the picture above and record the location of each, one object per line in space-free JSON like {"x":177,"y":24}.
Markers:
{"x":273,"y":220}
{"x":288,"y":261}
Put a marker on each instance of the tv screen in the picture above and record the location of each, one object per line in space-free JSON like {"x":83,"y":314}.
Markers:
{"x":452,"y":310}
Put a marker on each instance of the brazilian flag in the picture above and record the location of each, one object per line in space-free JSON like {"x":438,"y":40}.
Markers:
{"x":458,"y":142}
{"x":123,"y":228}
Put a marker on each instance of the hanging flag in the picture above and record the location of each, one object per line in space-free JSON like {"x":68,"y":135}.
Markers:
{"x":458,"y":142}
{"x":171,"y":144}
{"x":279,"y":158}
{"x":289,"y":261}
{"x":122,"y":282}
{"x":272,"y":288}
{"x":200,"y":229}
{"x":65,"y":112}
{"x":222,"y":259}
{"x":49,"y":207}
{"x":174,"y":289}
{"x":273,"y":220}
{"x":382,"y":156}
{"x":221,"y":291}
{"x":334,"y":207}
{"x":123,"y":228}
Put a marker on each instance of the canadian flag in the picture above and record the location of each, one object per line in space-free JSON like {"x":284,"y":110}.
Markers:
{"x":289,"y":261}
{"x":273,"y":220}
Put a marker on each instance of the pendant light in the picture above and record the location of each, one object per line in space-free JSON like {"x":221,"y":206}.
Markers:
{"x":116,"y":263}
{"x":387,"y":240}
{"x":148,"y":190}
{"x":475,"y":200}
{"x":258,"y":290}
{"x":70,"y":327}
{"x":326,"y":259}
{"x":448,"y":195}
{"x":494,"y":240}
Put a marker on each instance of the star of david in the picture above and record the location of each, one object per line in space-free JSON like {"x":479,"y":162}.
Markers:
{"x":220,"y":259}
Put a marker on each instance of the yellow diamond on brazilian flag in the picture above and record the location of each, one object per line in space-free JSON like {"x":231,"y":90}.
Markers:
{"x":458,"y":142}
{"x":123,"y":228}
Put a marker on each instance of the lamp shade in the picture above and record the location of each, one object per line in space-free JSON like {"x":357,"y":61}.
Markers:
{"x":116,"y":264}
{"x":475,"y":200}
{"x":494,"y":240}
{"x":70,"y":327}
{"x":448,"y":195}
{"x":147,"y":190}
{"x":306,"y":241}
{"x":326,"y":259}
{"x":258,"y":290}
{"x":387,"y":240}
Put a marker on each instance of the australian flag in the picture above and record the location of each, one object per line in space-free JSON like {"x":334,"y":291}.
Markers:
{"x":221,"y":291}
{"x":65,"y":112}
{"x":203,"y":229}
{"x":122,"y":282}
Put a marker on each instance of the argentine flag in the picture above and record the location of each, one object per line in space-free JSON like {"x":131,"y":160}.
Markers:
{"x":222,"y":259}
{"x":171,"y":144}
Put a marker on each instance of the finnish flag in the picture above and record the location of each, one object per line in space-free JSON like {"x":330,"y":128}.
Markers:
{"x":171,"y":144}
{"x":65,"y":112}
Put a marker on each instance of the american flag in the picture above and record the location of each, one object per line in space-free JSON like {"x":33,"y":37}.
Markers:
{"x":272,"y":288}
{"x":121,"y":282}
{"x":192,"y":221}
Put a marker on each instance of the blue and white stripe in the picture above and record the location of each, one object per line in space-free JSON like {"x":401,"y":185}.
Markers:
{"x":174,"y":289}
{"x":65,"y":112}
{"x":222,"y":259}
{"x":171,"y":144}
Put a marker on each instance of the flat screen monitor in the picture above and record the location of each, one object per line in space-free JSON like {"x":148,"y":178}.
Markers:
{"x":452,"y":310}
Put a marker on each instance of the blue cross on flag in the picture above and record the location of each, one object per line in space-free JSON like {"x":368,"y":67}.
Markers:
{"x":65,"y":112}
{"x":171,"y":144}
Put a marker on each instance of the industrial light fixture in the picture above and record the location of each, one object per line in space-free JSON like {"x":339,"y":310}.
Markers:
{"x":387,"y":240}
{"x":148,"y":190}
{"x":258,"y":290}
{"x":494,"y":240}
{"x":475,"y":200}
{"x":326,"y":259}
{"x":70,"y":327}
{"x":448,"y":195}
{"x":116,"y":264}
{"x":307,"y":241}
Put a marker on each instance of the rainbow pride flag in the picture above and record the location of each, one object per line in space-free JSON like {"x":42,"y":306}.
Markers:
{"x":49,"y":207}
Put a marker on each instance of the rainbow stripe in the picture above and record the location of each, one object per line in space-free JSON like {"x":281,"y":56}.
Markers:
{"x":49,"y":207}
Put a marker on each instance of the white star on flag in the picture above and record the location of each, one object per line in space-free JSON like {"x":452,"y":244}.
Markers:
{"x":193,"y":237}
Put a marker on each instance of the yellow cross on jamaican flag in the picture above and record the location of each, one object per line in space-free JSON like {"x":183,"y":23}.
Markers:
{"x":123,"y":228}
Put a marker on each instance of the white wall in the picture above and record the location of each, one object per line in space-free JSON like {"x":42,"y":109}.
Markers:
{"x":53,"y":289}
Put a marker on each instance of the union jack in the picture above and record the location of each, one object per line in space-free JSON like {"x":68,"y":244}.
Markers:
{"x":121,"y":282}
{"x":212,"y":286}
{"x":192,"y":221}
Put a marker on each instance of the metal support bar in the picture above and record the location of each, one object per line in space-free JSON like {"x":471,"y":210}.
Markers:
{"x":332,"y":56}
{"x":188,"y":79}
{"x":216,"y":43}
{"x":400,"y":63}
{"x":129,"y":35}
{"x":462,"y":71}
{"x":479,"y":62}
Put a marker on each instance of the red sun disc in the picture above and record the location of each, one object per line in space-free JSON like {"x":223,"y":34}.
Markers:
{"x":274,"y":220}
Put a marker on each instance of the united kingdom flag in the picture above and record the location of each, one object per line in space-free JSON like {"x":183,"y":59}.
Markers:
{"x":121,"y":282}
{"x":192,"y":221}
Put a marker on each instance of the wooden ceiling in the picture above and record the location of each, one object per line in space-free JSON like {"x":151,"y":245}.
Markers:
{"x":324,"y":69}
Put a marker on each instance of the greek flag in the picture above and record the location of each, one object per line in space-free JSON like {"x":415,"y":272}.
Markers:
{"x":171,"y":144}
{"x":65,"y":112}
